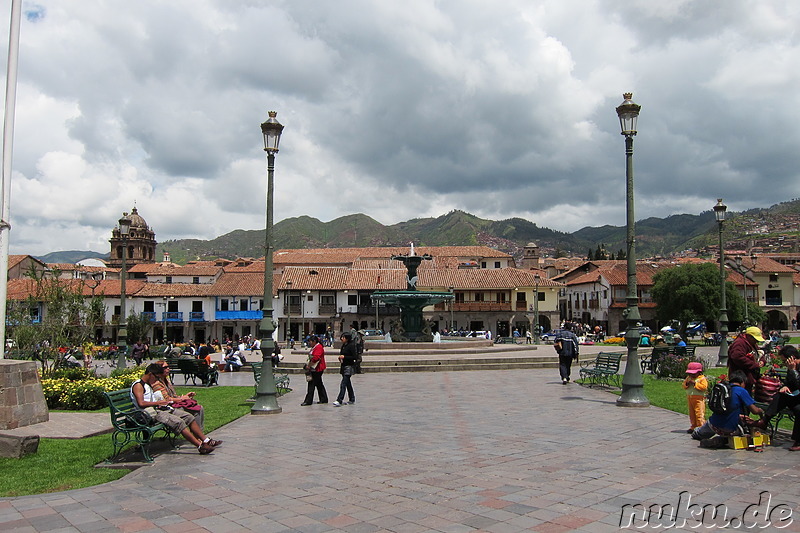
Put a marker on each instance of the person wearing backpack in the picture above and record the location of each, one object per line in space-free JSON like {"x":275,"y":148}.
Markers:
{"x":566,"y":345}
{"x":725,"y":420}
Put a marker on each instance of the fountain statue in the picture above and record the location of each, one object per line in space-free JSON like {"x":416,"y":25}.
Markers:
{"x":411,"y":301}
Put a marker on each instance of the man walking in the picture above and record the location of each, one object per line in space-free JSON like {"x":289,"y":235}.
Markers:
{"x":566,"y":344}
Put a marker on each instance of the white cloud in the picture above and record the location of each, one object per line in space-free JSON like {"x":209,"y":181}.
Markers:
{"x":395,"y":110}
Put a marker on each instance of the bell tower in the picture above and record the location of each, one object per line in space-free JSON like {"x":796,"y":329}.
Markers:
{"x":140,"y":243}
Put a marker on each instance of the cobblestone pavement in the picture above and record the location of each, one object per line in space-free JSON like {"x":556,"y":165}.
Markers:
{"x":498,"y":451}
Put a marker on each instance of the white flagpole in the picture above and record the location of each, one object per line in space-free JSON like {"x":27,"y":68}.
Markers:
{"x":8,"y":148}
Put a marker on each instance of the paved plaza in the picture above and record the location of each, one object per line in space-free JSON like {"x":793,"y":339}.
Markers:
{"x":497,"y":451}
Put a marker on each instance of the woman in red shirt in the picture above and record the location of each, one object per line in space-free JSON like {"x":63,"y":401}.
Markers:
{"x":314,"y":368}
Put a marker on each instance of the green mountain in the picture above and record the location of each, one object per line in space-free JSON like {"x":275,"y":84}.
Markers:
{"x":654,"y":236}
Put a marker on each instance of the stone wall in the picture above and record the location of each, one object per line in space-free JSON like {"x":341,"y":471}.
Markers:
{"x":21,"y":398}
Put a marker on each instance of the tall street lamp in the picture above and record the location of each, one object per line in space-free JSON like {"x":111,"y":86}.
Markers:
{"x":266,"y":392}
{"x":452,"y":303}
{"x":743,"y":270}
{"x":632,"y":382}
{"x":122,"y":341}
{"x":722,"y":360}
{"x":536,"y":279}
{"x":288,"y":334}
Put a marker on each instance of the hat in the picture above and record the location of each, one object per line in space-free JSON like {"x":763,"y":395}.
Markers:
{"x":755,"y":333}
{"x":694,"y":368}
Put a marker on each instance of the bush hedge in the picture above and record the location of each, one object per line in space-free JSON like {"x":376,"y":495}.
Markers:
{"x":80,"y":390}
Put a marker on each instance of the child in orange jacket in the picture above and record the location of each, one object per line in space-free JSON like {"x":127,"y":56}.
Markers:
{"x":696,"y":386}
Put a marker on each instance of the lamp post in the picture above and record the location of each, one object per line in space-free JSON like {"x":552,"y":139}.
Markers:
{"x":743,"y":270}
{"x":452,"y":304}
{"x":288,"y":334}
{"x":266,"y":392}
{"x":536,"y":279}
{"x":722,"y":360}
{"x":632,"y":382}
{"x":122,"y":341}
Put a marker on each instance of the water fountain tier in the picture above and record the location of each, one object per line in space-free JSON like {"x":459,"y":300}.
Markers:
{"x":411,"y":301}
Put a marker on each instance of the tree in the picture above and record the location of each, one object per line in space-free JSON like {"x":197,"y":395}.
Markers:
{"x":622,"y":255}
{"x":590,"y":255}
{"x":55,"y":314}
{"x":138,"y":327}
{"x":691,"y":292}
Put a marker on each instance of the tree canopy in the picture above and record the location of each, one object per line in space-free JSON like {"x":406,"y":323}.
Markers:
{"x":691,"y":292}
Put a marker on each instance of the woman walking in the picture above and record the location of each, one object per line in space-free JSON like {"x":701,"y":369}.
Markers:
{"x":314,"y":369}
{"x":348,"y":357}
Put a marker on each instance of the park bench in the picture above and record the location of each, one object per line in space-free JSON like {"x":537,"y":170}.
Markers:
{"x":602,"y":370}
{"x":786,"y":412}
{"x":127,"y":429}
{"x":198,"y":369}
{"x":281,"y":380}
{"x":174,"y":369}
{"x":651,"y":361}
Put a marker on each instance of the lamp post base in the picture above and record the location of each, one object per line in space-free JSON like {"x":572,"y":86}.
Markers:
{"x":266,"y":404}
{"x":266,"y":393}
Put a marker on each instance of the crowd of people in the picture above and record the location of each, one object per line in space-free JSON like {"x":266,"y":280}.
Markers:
{"x":731,"y":400}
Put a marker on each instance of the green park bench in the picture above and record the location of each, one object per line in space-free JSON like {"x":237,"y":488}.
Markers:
{"x":197,"y":369}
{"x":602,"y":370}
{"x":650,"y":361}
{"x":127,"y":429}
{"x":281,"y":380}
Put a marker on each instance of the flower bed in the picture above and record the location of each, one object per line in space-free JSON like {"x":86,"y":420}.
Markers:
{"x":81,"y":390}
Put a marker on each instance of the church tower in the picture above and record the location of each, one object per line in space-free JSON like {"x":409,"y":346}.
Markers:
{"x":530,"y":258}
{"x":140,"y":242}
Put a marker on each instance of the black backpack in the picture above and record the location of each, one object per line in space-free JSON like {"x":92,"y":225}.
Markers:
{"x":720,"y":398}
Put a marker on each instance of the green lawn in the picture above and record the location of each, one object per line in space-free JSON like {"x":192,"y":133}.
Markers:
{"x":62,"y":464}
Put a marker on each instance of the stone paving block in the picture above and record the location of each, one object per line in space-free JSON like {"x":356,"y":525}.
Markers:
{"x":452,"y":456}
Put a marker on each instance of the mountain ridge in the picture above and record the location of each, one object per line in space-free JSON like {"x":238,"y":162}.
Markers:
{"x":654,"y":236}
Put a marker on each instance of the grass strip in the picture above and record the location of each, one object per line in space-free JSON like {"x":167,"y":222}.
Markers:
{"x":64,"y":464}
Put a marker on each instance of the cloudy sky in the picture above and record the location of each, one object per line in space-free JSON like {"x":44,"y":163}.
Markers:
{"x":394,"y":109}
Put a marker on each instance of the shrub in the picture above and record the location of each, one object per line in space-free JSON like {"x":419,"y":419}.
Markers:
{"x":72,"y":374}
{"x":673,"y":366}
{"x":136,"y":371}
{"x":83,"y":395}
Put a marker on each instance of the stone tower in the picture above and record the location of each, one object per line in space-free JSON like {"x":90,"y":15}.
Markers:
{"x":141,"y":243}
{"x":530,"y":257}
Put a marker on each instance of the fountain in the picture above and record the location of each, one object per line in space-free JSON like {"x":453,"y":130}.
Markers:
{"x":412,"y":327}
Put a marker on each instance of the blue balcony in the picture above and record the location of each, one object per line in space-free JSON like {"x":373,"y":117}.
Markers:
{"x":239,"y":315}
{"x":197,"y":316}
{"x":149,"y":315}
{"x":173,"y":316}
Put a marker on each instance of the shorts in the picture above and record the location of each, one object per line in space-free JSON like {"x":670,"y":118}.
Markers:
{"x":176,"y":421}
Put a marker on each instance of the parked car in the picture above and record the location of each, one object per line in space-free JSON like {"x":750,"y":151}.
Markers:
{"x":551,"y":335}
{"x":643,"y":330}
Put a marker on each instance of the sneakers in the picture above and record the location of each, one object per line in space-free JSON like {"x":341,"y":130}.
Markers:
{"x":351,"y":402}
{"x":304,"y":404}
{"x":205,"y":449}
{"x":337,"y":403}
{"x":214,"y":443}
{"x":564,"y":381}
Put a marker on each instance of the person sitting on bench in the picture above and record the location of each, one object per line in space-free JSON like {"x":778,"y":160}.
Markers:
{"x":177,"y":420}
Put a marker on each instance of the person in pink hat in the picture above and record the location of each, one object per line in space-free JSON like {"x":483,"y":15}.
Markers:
{"x":696,"y":386}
